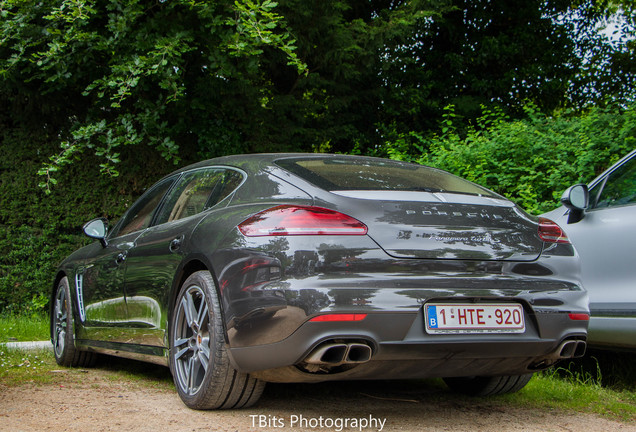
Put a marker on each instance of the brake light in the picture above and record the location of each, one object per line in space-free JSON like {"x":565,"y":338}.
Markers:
{"x":339,"y":317}
{"x":579,"y":316}
{"x":288,"y":220}
{"x":550,"y":232}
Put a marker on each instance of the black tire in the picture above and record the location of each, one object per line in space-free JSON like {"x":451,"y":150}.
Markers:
{"x":488,"y":386}
{"x":199,"y":361}
{"x":63,"y":330}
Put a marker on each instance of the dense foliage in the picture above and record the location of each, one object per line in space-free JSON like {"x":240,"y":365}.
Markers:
{"x":114,"y":74}
{"x":37,"y":230}
{"x":530,"y":161}
{"x":223,"y":76}
{"x":131,"y":87}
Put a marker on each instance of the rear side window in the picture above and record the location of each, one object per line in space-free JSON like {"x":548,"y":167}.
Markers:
{"x":340,"y":174}
{"x":197,"y":191}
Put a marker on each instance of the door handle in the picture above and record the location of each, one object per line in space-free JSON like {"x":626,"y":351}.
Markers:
{"x":175,"y":244}
{"x":120,"y":258}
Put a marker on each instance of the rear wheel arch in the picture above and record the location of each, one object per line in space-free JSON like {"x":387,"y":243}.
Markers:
{"x":188,"y":269}
{"x":199,"y":358}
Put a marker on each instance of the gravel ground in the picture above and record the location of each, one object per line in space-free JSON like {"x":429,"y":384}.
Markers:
{"x":101,"y":400}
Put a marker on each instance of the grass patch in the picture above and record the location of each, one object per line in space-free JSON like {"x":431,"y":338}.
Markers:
{"x":575,"y":392}
{"x":602,"y":382}
{"x":20,"y":366}
{"x":616,"y":370}
{"x":22,"y":328}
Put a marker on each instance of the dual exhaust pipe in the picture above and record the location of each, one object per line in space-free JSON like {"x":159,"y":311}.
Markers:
{"x":572,"y":349}
{"x":336,"y":354}
{"x":569,"y":349}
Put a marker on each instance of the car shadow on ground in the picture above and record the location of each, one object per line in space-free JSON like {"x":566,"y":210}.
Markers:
{"x":612,"y":369}
{"x":401,"y":391}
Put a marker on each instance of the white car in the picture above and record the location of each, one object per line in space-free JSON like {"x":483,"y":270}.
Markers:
{"x":604,"y":234}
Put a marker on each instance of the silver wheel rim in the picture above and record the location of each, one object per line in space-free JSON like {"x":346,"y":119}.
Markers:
{"x":191,"y":335}
{"x":61,"y":321}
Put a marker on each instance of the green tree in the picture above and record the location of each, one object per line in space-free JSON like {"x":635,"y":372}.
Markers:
{"x":197,"y":79}
{"x":503,"y":53}
{"x":107,"y":74}
{"x":343,"y":42}
{"x":532,"y":160}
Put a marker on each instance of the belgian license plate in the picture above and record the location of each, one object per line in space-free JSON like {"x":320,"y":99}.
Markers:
{"x":446,"y":318}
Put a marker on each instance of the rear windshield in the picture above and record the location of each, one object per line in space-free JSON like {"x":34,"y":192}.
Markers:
{"x":340,"y":174}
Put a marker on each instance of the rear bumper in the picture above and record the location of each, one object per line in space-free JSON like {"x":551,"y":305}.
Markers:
{"x":270,"y":292}
{"x":401,"y":348}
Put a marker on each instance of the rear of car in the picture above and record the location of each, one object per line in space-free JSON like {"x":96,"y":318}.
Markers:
{"x":363,"y":268}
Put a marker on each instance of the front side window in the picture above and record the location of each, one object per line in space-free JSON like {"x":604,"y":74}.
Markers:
{"x":197,"y":191}
{"x":619,"y":188}
{"x":140,"y":214}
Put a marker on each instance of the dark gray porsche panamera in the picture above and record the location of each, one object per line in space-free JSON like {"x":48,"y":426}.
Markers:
{"x":241,"y":270}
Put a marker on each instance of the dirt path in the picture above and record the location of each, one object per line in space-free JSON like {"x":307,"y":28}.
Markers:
{"x":102,"y":401}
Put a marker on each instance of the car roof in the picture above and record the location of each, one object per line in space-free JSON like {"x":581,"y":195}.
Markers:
{"x":255,"y":161}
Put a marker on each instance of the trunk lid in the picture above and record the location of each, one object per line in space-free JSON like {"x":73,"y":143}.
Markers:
{"x":427,"y":225}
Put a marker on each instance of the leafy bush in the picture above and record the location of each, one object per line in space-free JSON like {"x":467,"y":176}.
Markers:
{"x":29,"y":266}
{"x":37,"y":230}
{"x":531,"y":161}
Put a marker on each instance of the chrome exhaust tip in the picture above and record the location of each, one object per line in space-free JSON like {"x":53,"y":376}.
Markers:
{"x":335,"y":354}
{"x":358,"y":353}
{"x":567,"y":349}
{"x":581,"y":347}
{"x":331,"y":354}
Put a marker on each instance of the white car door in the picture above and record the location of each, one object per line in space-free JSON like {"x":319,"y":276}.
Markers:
{"x":606,"y":241}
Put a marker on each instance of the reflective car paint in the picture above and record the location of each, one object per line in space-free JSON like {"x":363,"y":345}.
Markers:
{"x":475,"y":250}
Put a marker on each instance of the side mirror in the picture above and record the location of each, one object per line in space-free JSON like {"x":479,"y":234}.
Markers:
{"x":576,"y":199}
{"x":97,"y":229}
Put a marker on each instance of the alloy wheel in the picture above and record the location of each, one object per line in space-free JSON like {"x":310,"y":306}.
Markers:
{"x":61,"y":321}
{"x":192,"y":340}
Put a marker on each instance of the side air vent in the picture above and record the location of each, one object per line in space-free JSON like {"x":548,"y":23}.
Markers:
{"x":79,"y":287}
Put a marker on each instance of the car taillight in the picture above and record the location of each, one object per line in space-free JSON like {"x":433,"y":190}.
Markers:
{"x":288,"y":220}
{"x":550,"y":232}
